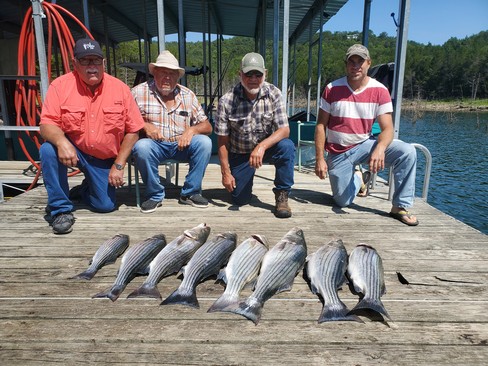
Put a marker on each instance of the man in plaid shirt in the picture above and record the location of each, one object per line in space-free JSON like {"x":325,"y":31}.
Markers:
{"x":175,"y":127}
{"x":252,"y":129}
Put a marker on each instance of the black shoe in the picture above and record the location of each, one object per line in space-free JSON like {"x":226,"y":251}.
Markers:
{"x":196,"y":200}
{"x":150,"y":206}
{"x":63,"y":222}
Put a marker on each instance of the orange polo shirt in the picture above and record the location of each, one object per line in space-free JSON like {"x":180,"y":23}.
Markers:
{"x":95,"y":124}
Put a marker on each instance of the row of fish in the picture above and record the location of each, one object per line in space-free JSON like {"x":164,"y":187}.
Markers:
{"x":268,"y":272}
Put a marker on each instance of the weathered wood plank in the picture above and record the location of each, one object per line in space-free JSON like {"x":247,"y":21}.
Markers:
{"x":169,"y":352}
{"x":279,"y":308}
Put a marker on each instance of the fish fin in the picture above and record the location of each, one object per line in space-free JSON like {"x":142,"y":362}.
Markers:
{"x":146,"y":291}
{"x":188,"y":298}
{"x":251,"y":284}
{"x":222,"y":276}
{"x":110,"y":261}
{"x":143,"y":271}
{"x":224,"y":303}
{"x":314,"y":289}
{"x":285,"y":287}
{"x":174,"y":269}
{"x":181,"y":272}
{"x":250,"y":311}
{"x":370,"y":304}
{"x":354,"y":289}
{"x":112,"y":293}
{"x":86,"y":275}
{"x":337,"y":312}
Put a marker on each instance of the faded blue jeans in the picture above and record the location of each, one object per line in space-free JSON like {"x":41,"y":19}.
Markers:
{"x":96,"y":192}
{"x":399,"y":155}
{"x":150,"y":153}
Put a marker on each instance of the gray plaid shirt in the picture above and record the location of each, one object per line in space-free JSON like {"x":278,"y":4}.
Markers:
{"x":248,"y":123}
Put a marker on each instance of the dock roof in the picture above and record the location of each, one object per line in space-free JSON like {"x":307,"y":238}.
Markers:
{"x":126,"y":20}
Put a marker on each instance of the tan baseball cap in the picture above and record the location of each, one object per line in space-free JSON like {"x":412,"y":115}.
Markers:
{"x":252,"y":61}
{"x":358,"y":50}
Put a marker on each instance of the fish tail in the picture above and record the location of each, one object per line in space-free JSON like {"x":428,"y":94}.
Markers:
{"x":146,"y":291}
{"x":337,"y":312}
{"x":113,"y":293}
{"x":370,"y":304}
{"x":250,"y":311}
{"x":86,"y":275}
{"x":224,"y":303}
{"x":188,"y":298}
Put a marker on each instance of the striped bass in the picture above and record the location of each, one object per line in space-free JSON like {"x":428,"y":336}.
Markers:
{"x":242,"y":269}
{"x":207,"y":261}
{"x":170,"y":260}
{"x":108,"y":253}
{"x":134,"y":262}
{"x":280,"y":266}
{"x":365,"y":270}
{"x":326,"y":270}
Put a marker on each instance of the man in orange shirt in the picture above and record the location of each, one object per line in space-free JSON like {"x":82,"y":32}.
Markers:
{"x":89,"y":120}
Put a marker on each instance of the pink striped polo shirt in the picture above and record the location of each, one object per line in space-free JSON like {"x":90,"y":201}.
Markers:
{"x":352,"y":113}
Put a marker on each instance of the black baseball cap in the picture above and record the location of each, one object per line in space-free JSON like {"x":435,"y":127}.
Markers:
{"x":87,"y":47}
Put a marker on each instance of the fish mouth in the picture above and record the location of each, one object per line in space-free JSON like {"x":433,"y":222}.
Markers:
{"x":190,"y":233}
{"x":260,"y":238}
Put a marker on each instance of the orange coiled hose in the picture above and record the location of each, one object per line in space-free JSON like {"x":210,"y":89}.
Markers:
{"x":27,"y":98}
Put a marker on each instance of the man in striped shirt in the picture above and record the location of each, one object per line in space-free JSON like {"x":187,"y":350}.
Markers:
{"x":175,"y":128}
{"x":348,"y":108}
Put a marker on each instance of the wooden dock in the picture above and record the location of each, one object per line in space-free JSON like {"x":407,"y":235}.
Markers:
{"x":441,"y":318}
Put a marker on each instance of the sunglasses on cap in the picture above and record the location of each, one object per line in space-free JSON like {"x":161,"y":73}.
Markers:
{"x":250,"y":74}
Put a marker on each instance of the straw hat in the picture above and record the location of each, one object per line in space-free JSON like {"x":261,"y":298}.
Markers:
{"x":167,"y":60}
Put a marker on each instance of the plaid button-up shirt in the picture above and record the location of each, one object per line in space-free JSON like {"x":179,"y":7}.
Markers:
{"x":172,"y":122}
{"x":250,"y":122}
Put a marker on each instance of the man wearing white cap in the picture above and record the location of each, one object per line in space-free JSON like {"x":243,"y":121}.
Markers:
{"x":175,"y":128}
{"x":252,"y":129}
{"x":348,"y":108}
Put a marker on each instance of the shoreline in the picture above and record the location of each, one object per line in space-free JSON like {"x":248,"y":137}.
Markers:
{"x":445,"y":106}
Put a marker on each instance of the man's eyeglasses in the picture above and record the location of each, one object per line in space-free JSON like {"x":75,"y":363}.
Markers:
{"x":88,"y":61}
{"x":257,"y":74}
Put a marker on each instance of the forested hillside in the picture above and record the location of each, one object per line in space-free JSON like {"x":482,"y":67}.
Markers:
{"x":454,"y":70}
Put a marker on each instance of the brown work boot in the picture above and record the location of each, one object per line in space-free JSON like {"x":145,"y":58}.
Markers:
{"x":282,"y":210}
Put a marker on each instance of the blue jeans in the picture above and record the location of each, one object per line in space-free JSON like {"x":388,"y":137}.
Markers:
{"x":281,"y":155}
{"x":97,"y":193}
{"x":399,"y":155}
{"x":150,"y":153}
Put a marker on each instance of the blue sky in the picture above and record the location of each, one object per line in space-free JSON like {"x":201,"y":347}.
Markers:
{"x":433,"y":21}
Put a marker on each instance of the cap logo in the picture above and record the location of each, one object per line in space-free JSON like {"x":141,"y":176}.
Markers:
{"x":88,"y":46}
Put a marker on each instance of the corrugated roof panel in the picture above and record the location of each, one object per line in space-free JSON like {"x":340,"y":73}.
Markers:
{"x":125,"y":20}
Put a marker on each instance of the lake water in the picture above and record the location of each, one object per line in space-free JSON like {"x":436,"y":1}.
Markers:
{"x":459,"y":146}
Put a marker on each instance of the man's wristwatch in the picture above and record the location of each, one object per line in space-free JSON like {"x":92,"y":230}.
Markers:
{"x":118,"y":166}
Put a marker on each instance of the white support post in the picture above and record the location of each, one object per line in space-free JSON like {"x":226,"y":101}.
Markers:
{"x":38,"y":14}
